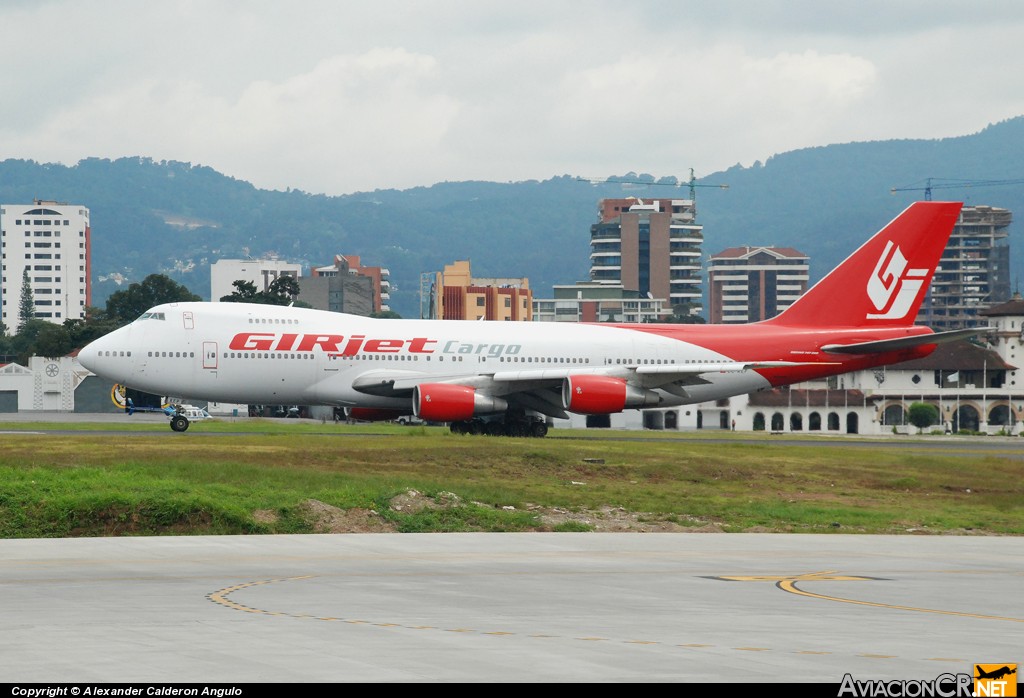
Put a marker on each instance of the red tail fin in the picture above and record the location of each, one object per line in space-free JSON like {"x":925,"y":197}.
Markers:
{"x":883,"y":283}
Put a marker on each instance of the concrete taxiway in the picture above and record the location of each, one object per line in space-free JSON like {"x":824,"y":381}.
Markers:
{"x":509,"y":607}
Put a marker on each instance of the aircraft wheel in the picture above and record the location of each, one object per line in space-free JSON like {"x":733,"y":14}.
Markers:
{"x":539,"y":429}
{"x":476,"y":428}
{"x":179,"y":423}
{"x":494,"y":429}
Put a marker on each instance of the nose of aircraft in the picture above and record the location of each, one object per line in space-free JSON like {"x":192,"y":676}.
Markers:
{"x":108,"y":356}
{"x":88,"y":354}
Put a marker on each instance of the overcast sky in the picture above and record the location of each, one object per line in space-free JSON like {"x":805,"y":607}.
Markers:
{"x":342,"y":96}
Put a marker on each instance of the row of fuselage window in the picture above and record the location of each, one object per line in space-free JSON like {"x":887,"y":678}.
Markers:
{"x":394,"y":357}
{"x":391,"y":357}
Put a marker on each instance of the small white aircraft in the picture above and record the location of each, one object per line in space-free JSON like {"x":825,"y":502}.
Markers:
{"x":508,"y":377}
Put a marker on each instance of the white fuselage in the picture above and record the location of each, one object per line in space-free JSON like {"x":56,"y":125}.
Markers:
{"x":261,"y":354}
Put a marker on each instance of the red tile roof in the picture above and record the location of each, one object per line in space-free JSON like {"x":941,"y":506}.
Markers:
{"x":739,"y":252}
{"x":956,"y":356}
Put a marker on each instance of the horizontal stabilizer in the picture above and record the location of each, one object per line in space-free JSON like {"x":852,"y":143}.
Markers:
{"x":723,"y":367}
{"x":884,"y":345}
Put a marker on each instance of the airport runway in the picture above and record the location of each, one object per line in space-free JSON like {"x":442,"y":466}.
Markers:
{"x":508,"y":607}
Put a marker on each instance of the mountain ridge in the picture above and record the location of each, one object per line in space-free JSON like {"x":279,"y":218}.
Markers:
{"x":176,"y":218}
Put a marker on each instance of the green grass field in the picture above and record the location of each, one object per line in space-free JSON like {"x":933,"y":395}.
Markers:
{"x":279,"y":477}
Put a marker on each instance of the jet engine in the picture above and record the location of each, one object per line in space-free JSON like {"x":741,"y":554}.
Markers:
{"x":442,"y":402}
{"x":603,"y":395}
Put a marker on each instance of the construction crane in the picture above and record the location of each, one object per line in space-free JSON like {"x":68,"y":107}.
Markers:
{"x":692,"y":183}
{"x":953,"y":184}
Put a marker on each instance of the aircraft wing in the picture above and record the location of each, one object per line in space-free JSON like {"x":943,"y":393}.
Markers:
{"x":399,"y":383}
{"x":540,"y":388}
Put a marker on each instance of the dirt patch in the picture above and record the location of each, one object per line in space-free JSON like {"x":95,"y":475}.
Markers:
{"x":324,"y":518}
{"x":617,"y":519}
{"x":412,"y":501}
{"x":265,"y":516}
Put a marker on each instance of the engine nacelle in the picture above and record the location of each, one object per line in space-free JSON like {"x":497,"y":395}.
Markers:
{"x":442,"y":402}
{"x":586,"y":394}
{"x":373,"y":414}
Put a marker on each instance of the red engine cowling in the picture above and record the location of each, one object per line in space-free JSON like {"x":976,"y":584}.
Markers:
{"x":603,"y":395}
{"x":441,"y":402}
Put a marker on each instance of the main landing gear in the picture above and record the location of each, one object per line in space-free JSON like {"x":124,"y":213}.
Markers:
{"x":508,"y":426}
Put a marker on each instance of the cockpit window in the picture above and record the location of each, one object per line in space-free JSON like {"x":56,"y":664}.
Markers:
{"x":152,"y":316}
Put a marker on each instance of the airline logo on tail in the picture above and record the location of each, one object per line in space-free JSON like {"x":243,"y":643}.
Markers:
{"x":893,"y":287}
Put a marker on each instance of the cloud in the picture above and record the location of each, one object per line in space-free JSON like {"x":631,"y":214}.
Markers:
{"x":332,"y":97}
{"x":370,"y":113}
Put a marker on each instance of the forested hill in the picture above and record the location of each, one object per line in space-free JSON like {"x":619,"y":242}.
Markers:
{"x":177,"y":218}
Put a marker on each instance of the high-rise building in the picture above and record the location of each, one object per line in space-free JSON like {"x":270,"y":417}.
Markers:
{"x":593,"y":301}
{"x":51,"y":242}
{"x":747,"y":284}
{"x":341,"y":289}
{"x":455,"y":295}
{"x":652,"y":246}
{"x":380,"y":284}
{"x":262,"y":272}
{"x":974,"y":272}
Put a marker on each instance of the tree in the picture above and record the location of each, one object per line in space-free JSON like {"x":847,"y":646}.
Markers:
{"x":124,"y":306}
{"x":23,"y":344}
{"x":96,"y":324}
{"x":282,"y":291}
{"x":27,"y":305}
{"x":245,"y":292}
{"x":685,"y":319}
{"x":52,"y":341}
{"x":922,"y":415}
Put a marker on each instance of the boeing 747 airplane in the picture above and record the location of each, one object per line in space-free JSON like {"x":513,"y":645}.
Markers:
{"x":509,"y":377}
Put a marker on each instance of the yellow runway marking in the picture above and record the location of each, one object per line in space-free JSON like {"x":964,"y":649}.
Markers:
{"x":786,"y":583}
{"x":789,"y":584}
{"x":812,"y":576}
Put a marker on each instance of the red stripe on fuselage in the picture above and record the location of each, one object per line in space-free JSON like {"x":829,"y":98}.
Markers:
{"x":762,"y":342}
